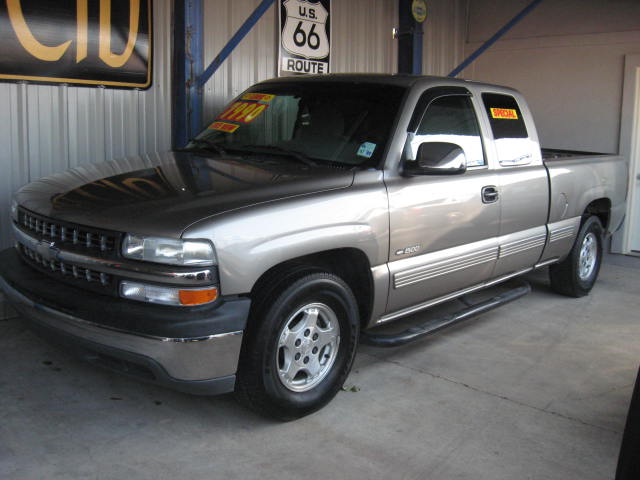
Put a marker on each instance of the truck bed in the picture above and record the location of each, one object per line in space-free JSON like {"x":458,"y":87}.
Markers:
{"x":576,"y":178}
{"x":555,"y":153}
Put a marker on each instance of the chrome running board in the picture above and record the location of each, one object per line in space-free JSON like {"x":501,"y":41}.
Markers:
{"x":435,"y":324}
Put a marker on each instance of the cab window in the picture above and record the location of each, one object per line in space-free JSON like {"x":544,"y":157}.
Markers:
{"x":505,"y":116}
{"x":513,"y":145}
{"x":451,"y":119}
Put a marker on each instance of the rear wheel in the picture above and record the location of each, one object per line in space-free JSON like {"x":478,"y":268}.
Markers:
{"x":576,"y":274}
{"x":299,"y":346}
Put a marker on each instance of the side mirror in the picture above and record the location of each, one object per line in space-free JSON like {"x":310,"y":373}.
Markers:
{"x":437,"y":158}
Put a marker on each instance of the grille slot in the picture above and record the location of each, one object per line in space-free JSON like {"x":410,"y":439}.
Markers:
{"x":77,"y":235}
{"x":66,"y":269}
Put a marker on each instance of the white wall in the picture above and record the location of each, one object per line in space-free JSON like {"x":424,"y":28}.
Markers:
{"x":567,"y":57}
{"x":552,"y":18}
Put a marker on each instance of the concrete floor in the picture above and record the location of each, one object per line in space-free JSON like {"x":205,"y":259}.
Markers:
{"x":538,"y":389}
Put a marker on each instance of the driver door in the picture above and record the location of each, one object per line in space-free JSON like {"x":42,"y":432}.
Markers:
{"x":444,"y":227}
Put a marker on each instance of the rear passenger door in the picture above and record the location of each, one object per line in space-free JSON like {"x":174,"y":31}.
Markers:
{"x":444,"y":228}
{"x":522,"y":183}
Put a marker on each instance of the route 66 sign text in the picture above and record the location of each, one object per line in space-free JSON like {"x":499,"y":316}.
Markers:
{"x":305,"y":36}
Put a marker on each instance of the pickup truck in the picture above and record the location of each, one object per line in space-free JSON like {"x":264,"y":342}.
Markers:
{"x":310,"y":212}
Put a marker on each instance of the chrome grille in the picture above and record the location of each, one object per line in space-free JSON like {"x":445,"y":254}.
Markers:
{"x":66,"y":269}
{"x":67,"y":233}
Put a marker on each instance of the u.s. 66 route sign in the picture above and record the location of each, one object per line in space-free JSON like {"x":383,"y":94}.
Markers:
{"x":305,"y":36}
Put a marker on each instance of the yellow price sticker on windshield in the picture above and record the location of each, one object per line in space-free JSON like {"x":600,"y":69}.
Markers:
{"x":243,"y":112}
{"x":224,"y":127}
{"x":258,"y":97}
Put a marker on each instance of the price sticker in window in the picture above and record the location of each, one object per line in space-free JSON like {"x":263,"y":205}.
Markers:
{"x":243,"y":112}
{"x":504,"y":113}
{"x":258,"y":97}
{"x":224,"y":127}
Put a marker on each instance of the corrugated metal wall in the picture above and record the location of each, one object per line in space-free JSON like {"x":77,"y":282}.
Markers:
{"x":444,"y":36}
{"x":361,"y":42}
{"x":253,"y":60}
{"x":47,"y":129}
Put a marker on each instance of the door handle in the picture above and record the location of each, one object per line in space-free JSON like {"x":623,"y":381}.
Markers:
{"x":490,"y":194}
{"x":515,"y":162}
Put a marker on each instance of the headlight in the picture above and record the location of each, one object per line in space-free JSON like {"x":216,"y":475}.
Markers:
{"x":173,"y":251}
{"x":14,"y":210}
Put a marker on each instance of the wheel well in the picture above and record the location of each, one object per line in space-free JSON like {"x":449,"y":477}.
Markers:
{"x":350,"y":264}
{"x":601,"y":208}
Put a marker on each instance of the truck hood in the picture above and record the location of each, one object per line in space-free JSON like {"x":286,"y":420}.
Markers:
{"x":163,"y":194}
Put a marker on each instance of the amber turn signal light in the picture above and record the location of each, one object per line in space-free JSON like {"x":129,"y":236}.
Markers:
{"x":198,"y":297}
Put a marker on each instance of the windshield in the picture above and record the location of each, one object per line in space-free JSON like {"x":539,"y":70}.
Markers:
{"x":344,"y":123}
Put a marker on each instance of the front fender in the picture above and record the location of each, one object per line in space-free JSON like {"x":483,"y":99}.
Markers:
{"x":251,"y":241}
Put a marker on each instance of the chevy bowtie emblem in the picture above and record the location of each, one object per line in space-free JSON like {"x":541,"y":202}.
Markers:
{"x":47,"y":250}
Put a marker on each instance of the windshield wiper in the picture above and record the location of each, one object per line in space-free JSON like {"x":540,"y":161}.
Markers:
{"x":210,"y":144}
{"x":280,"y":151}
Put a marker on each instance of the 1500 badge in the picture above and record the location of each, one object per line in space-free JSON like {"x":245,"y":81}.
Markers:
{"x":408,"y":250}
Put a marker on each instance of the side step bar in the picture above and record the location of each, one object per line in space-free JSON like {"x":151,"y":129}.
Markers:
{"x":436,"y":324}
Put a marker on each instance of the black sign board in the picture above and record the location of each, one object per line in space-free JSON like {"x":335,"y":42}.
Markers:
{"x":305,"y":36}
{"x":83,"y":42}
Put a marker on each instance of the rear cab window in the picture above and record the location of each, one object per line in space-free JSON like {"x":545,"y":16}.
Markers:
{"x":511,"y":138}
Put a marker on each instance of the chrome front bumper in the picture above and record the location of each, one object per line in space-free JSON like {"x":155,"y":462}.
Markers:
{"x":191,"y":364}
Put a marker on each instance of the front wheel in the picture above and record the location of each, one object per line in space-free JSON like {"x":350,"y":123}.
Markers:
{"x":576,"y":274}
{"x":299,"y":347}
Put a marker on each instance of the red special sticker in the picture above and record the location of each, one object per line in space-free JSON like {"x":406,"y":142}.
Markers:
{"x":243,"y":112}
{"x":224,"y":127}
{"x":504,"y":113}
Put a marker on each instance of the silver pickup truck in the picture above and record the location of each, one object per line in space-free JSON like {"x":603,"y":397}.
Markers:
{"x":308,"y":213}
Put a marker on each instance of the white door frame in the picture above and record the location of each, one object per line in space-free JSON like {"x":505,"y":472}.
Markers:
{"x":630,"y":148}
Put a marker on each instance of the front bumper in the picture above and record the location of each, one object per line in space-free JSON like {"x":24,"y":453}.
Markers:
{"x":202,"y":360}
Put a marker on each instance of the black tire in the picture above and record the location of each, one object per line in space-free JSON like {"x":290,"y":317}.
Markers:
{"x":572,"y":277}
{"x":263,"y":382}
